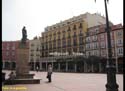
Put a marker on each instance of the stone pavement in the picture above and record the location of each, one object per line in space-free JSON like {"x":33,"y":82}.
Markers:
{"x":66,"y":82}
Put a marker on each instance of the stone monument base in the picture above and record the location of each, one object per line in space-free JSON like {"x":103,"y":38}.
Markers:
{"x":22,"y":81}
{"x":22,"y":68}
{"x":24,"y":76}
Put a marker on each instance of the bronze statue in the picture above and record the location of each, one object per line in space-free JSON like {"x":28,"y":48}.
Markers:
{"x":24,"y":35}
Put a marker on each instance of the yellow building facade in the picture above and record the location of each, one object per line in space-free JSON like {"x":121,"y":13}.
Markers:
{"x":67,"y":36}
{"x":63,"y":43}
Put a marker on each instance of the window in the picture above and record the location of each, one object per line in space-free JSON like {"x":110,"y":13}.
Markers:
{"x":87,"y":46}
{"x":80,"y":26}
{"x":7,"y":53}
{"x":32,"y":44}
{"x":69,"y":29}
{"x":95,"y":38}
{"x":92,"y":45}
{"x":111,"y":34}
{"x":54,"y":44}
{"x":37,"y":49}
{"x":74,"y":27}
{"x":81,"y":49}
{"x":120,"y":42}
{"x":13,"y":47}
{"x":7,"y":48}
{"x":102,"y":44}
{"x":112,"y":43}
{"x":97,"y":31}
{"x":113,"y":53}
{"x":119,"y":33}
{"x":13,"y":53}
{"x":88,"y":39}
{"x":96,"y":52}
{"x":63,"y":35}
{"x":80,"y":40}
{"x":102,"y":37}
{"x":120,"y":51}
{"x":59,"y":43}
{"x":96,"y":45}
{"x":50,"y":45}
{"x":75,"y":41}
{"x":64,"y":43}
{"x":74,"y":34}
{"x":46,"y":45}
{"x":89,"y":53}
{"x":68,"y":35}
{"x":103,"y":52}
{"x":69,"y":42}
{"x":74,"y":49}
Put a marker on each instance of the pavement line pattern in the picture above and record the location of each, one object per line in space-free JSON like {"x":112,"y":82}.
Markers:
{"x":58,"y":87}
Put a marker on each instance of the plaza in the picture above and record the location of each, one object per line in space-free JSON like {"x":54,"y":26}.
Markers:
{"x":66,"y":82}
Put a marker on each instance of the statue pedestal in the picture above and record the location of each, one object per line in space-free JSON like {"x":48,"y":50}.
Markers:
{"x":22,"y":68}
{"x":22,"y":65}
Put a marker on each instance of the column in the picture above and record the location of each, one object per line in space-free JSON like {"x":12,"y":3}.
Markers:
{"x":85,"y":66}
{"x":40,"y":66}
{"x":116,"y":64}
{"x":52,"y":64}
{"x":3,"y":65}
{"x":46,"y":65}
{"x":66,"y":66}
{"x":92,"y":68}
{"x":100,"y":69}
{"x":58,"y":66}
{"x":75,"y":67}
{"x":10,"y":65}
{"x":34,"y":68}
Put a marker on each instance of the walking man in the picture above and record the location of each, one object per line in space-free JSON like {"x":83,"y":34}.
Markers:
{"x":49,"y":73}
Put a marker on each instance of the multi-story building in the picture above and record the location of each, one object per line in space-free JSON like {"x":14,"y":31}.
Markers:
{"x":92,"y":46}
{"x":34,"y":53}
{"x":118,"y":47}
{"x":67,"y":37}
{"x":96,"y":45}
{"x":9,"y":54}
{"x":78,"y":44}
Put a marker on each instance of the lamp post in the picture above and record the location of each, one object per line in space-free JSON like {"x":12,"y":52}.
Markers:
{"x":111,"y":71}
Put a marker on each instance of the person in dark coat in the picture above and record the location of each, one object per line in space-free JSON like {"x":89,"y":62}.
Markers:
{"x":49,"y":73}
{"x":12,"y":76}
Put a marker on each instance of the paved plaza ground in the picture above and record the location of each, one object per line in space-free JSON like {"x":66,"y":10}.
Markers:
{"x":66,"y":82}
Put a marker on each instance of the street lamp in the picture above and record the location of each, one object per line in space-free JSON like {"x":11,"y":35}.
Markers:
{"x":111,"y":71}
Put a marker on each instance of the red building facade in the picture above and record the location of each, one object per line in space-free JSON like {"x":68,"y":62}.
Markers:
{"x":99,"y":46}
{"x":9,"y":54}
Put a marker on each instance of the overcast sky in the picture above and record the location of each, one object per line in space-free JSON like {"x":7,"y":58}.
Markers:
{"x":38,"y":14}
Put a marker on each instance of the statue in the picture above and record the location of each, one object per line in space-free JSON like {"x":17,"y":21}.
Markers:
{"x":24,"y":35}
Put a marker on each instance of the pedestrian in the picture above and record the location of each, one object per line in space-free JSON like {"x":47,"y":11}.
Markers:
{"x":37,"y":68}
{"x":12,"y":76}
{"x":49,"y":73}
